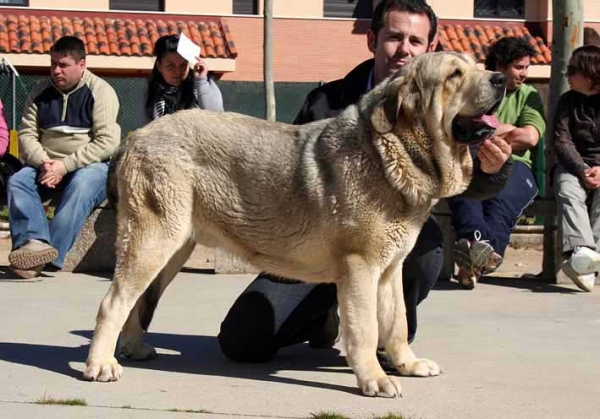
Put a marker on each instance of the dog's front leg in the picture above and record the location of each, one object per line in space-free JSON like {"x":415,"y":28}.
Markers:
{"x":101,"y":364}
{"x":393,"y":327}
{"x":357,"y":297}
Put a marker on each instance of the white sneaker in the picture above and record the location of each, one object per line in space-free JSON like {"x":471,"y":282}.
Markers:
{"x":584,"y":260}
{"x":584,"y":282}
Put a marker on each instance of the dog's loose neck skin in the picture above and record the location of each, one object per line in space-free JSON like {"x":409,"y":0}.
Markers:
{"x":418,"y":159}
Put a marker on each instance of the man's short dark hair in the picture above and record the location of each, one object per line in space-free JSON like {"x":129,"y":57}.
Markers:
{"x":506,"y":50}
{"x":417,"y":7}
{"x":69,"y":45}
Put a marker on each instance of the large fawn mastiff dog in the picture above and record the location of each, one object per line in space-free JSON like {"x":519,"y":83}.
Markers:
{"x":340,"y":200}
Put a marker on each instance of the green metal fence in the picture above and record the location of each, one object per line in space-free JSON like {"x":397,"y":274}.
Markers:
{"x":242,"y":97}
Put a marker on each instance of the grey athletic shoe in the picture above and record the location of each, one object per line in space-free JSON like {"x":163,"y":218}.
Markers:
{"x":481,"y":254}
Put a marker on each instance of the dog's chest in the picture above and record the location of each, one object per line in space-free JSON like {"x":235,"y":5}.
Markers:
{"x":401,"y":235}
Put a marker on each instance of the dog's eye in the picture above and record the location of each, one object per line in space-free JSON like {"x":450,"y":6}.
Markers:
{"x":457,"y":73}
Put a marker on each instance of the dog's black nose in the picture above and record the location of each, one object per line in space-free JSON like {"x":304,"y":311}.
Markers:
{"x":498,"y":80}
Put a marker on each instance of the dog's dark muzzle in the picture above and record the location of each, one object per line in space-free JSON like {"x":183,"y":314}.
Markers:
{"x":470,"y":130}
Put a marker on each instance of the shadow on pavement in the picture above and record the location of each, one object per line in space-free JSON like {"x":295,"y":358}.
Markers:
{"x":528,"y":282}
{"x":195,"y":355}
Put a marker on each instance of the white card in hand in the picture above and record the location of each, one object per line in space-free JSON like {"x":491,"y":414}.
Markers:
{"x":187,"y":49}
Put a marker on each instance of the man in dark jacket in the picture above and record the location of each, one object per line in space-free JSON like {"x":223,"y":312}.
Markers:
{"x":276,"y":312}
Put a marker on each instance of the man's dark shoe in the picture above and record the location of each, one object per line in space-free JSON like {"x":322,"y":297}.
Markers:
{"x":329,"y":334}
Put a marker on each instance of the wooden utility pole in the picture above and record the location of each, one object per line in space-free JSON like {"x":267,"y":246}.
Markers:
{"x":268,"y":60}
{"x":567,"y":34}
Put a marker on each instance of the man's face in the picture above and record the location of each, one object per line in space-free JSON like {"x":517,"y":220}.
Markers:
{"x":515,"y":72}
{"x":404,"y":36}
{"x":65,"y":71}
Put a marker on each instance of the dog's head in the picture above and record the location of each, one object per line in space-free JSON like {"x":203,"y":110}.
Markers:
{"x":424,"y":116}
{"x":446,"y":90}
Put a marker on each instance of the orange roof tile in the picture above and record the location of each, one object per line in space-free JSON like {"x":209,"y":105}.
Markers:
{"x":476,"y":40}
{"x":106,"y":36}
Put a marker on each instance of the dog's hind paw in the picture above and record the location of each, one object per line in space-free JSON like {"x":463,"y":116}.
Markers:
{"x":420,"y":367}
{"x":106,"y":371}
{"x":386,"y":386}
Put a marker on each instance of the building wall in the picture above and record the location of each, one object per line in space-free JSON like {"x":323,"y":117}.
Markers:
{"x":457,"y":9}
{"x":297,"y":8}
{"x":70,"y":5}
{"x":200,"y":7}
{"x":303,"y":51}
{"x":538,"y":11}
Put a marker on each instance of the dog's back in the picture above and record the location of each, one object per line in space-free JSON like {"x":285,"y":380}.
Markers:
{"x":255,"y":186}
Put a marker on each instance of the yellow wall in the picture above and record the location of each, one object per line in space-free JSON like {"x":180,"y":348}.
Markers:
{"x":591,"y":10}
{"x":456,"y":9}
{"x":69,"y":4}
{"x":200,"y":7}
{"x":297,"y":8}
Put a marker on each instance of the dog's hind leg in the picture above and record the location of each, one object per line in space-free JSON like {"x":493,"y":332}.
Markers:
{"x":357,"y":297}
{"x":393,"y":328}
{"x":147,"y":240}
{"x":131,"y":345}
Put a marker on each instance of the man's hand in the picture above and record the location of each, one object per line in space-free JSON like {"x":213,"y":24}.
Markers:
{"x":493,"y":153}
{"x":513,"y":134}
{"x":52,"y":172}
{"x":504,"y":129}
{"x":592,"y":178}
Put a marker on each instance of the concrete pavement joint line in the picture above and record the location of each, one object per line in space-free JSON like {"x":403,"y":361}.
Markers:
{"x":174,"y":410}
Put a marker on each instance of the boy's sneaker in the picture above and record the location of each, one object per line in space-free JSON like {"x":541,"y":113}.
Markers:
{"x":584,"y":260}
{"x":467,"y":277}
{"x":474,"y":258}
{"x":585,"y":282}
{"x":482,"y":253}
{"x":462,"y":256}
{"x":467,"y":280}
{"x":494,"y":263}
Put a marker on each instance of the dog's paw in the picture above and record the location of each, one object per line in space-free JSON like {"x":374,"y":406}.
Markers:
{"x":420,"y":367}
{"x":141,"y":352}
{"x":104,"y":371}
{"x":386,"y":386}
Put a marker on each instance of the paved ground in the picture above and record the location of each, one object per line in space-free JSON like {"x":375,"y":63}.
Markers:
{"x":512,"y":348}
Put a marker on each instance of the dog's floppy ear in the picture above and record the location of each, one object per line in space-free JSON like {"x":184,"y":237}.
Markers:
{"x":385,"y":113}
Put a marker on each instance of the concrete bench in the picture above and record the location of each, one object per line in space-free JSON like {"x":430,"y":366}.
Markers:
{"x":94,"y":248}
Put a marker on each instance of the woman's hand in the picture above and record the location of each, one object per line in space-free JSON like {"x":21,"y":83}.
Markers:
{"x":200,"y":68}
